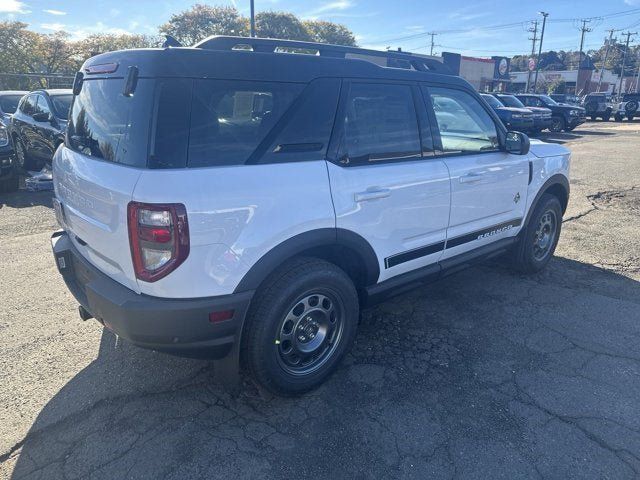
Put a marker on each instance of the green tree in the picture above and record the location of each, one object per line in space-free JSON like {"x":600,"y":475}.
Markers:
{"x":201,"y":21}
{"x":281,"y":25}
{"x":329,"y":32}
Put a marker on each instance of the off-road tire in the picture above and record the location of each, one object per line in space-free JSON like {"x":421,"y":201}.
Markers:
{"x":524,"y":257}
{"x":295,"y":282}
{"x":558,"y":124}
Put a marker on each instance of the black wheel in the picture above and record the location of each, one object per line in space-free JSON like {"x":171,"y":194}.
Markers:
{"x":630,"y":118}
{"x":540,"y":236}
{"x":617,"y":117}
{"x":606,"y":117}
{"x":24,"y":161}
{"x":593,"y":118}
{"x":631,"y":107}
{"x":301,"y":323}
{"x":557,"y":124}
{"x":10,"y":183}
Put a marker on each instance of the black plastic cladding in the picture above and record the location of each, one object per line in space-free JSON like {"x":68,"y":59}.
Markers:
{"x":246,"y":65}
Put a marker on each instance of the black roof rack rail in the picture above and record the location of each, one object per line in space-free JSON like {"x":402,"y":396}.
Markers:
{"x":394,"y":59}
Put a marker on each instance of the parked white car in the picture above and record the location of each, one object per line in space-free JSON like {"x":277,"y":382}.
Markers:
{"x":218,"y":202}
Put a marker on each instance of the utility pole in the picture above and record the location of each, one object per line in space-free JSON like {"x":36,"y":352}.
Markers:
{"x":534,"y":30}
{"x":606,"y":56}
{"x":584,"y":29}
{"x":433,"y":34}
{"x":624,"y":59}
{"x":253,"y":20}
{"x":544,"y":22}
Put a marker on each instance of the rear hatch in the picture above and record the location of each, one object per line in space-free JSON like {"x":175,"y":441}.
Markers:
{"x":96,"y":172}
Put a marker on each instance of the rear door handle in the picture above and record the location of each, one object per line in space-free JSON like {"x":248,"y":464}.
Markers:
{"x":472,"y":177}
{"x":372,"y":194}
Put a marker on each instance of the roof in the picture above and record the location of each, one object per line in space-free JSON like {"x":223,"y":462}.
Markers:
{"x":56,"y":91}
{"x":12,"y":92}
{"x":216,"y":57}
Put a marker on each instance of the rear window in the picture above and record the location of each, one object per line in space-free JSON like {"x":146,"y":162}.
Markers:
{"x":9,"y":103}
{"x":107,"y":125}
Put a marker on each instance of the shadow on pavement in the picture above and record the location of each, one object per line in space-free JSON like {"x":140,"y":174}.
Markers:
{"x":25,"y":198}
{"x":580,"y":132}
{"x":486,"y":374}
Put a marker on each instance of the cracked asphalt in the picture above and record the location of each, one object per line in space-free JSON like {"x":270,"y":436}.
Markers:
{"x":488,"y":374}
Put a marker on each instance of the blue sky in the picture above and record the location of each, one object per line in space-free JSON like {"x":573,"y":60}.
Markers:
{"x":376,"y":23}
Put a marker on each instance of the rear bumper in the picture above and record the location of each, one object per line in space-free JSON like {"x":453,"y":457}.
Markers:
{"x":177,"y":326}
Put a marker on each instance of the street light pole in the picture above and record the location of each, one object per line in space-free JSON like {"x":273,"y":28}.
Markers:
{"x":544,"y":21}
{"x":253,"y":20}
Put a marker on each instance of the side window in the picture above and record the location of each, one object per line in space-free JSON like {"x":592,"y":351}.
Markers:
{"x":308,"y":127}
{"x":532,"y":102}
{"x":42,"y":106}
{"x":229,"y":119}
{"x":463,"y":123}
{"x":380,"y":124}
{"x":29,"y":105}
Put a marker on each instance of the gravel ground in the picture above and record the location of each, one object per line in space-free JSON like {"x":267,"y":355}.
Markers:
{"x":488,"y":374}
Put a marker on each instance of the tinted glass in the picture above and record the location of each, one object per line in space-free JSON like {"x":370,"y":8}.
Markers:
{"x":510,"y":101}
{"x":532,"y":101}
{"x":308,"y":128}
{"x":548,"y":100}
{"x":464,"y":124}
{"x":380,"y":124}
{"x":9,"y":103}
{"x":61,"y":105}
{"x":42,"y":106}
{"x":107,"y":125}
{"x":170,"y":135}
{"x":29,"y":105}
{"x":492,"y":101}
{"x":229,"y":119}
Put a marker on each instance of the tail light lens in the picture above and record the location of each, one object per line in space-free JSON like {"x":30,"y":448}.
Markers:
{"x":159,"y":238}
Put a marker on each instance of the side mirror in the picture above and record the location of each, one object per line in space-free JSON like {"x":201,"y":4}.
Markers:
{"x":41,"y":117}
{"x":517,"y":143}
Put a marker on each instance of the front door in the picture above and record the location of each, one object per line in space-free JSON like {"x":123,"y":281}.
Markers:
{"x":488,"y":185}
{"x":386,"y":184}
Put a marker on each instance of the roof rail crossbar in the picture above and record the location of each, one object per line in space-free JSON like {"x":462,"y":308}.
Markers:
{"x":394,"y":59}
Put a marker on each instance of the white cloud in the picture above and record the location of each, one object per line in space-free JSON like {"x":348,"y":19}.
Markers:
{"x":13,"y":6}
{"x":55,"y":12}
{"x":632,"y":2}
{"x":52,"y":26}
{"x":329,"y":8}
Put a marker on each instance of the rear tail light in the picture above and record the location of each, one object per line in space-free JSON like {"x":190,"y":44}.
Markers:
{"x":159,"y":238}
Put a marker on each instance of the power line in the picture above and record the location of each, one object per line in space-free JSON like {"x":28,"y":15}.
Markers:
{"x":624,"y":58}
{"x":606,"y":56}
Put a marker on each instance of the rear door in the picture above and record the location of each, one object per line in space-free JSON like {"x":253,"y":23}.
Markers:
{"x":488,"y":185}
{"x":386,"y":184}
{"x":23,"y":122}
{"x":95,"y":174}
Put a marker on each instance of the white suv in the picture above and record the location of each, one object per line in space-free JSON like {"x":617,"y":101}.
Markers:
{"x":236,"y":200}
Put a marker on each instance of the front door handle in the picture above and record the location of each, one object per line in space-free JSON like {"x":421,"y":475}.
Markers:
{"x":372,"y":194}
{"x":472,"y":177}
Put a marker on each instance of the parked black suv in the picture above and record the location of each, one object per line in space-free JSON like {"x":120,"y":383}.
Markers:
{"x":564,"y":117}
{"x":38,"y":126}
{"x":541,"y":115}
{"x":514,"y":118}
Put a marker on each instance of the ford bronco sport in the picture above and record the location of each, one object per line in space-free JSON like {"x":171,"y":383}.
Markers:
{"x":238,"y":200}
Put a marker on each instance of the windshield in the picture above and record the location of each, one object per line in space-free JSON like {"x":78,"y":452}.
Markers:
{"x":61,"y":104}
{"x":548,"y":100}
{"x":492,"y":101}
{"x":9,"y":103}
{"x":511,"y":101}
